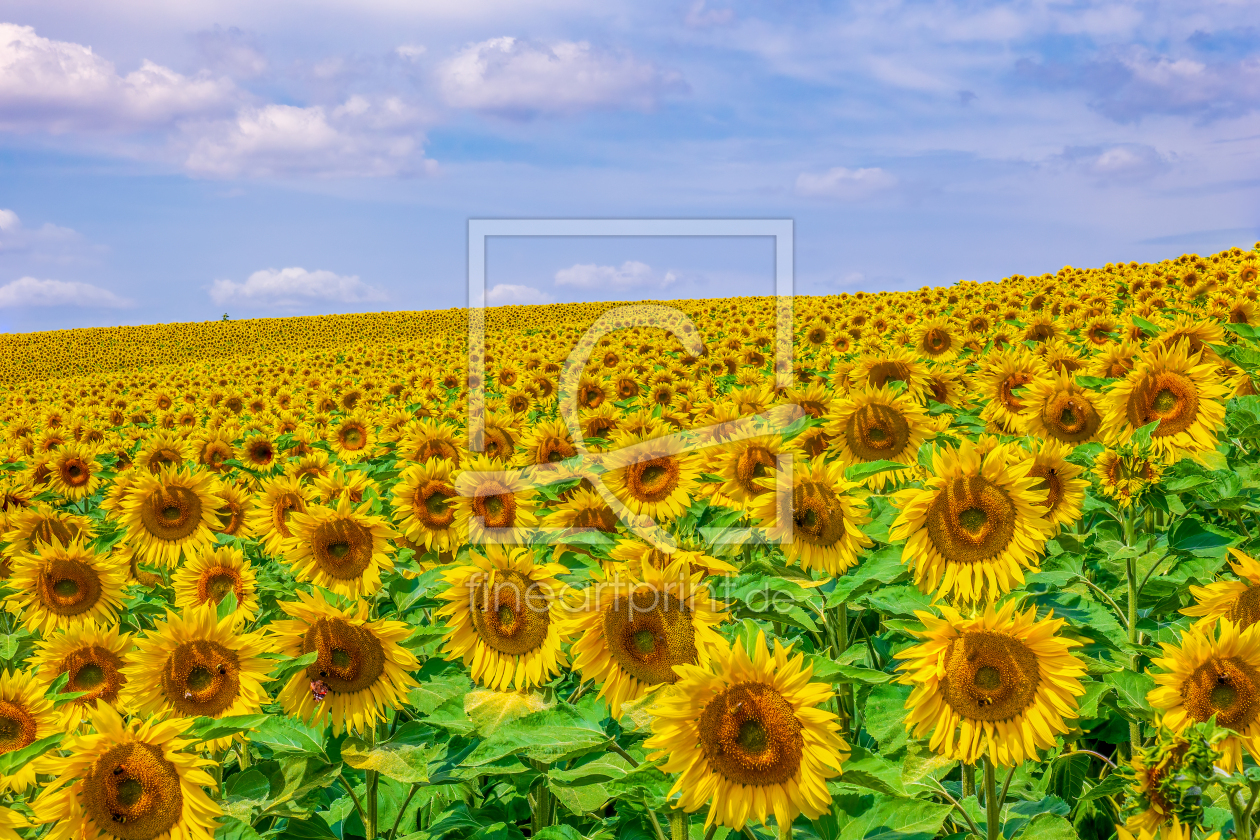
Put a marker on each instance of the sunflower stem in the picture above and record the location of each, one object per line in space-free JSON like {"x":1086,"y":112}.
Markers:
{"x":358,"y":806}
{"x":656,"y":825}
{"x":678,"y":824}
{"x":1130,"y":566}
{"x":393,"y":832}
{"x":992,"y":807}
{"x":373,"y":783}
{"x":968,"y":780}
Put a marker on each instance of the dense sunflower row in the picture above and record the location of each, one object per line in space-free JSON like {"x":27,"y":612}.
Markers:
{"x":300,"y":592}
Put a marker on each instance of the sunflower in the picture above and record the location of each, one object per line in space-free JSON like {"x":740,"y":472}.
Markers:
{"x":494,"y":504}
{"x":1186,"y":398}
{"x":258,"y":451}
{"x":1114,"y":361}
{"x":498,"y":439}
{"x":339,"y":483}
{"x":208,"y":576}
{"x":1060,"y":478}
{"x":133,"y":781}
{"x":976,"y":524}
{"x":823,"y":515}
{"x":352,"y":438}
{"x":936,"y":340}
{"x":60,"y":586}
{"x":360,"y":662}
{"x":281,"y":497}
{"x":342,"y":549}
{"x":430,"y":438}
{"x":424,"y":508}
{"x":92,"y":657}
{"x":28,"y":528}
{"x":503,"y":617}
{"x":171,"y":514}
{"x":75,"y":472}
{"x":213,"y":449}
{"x":10,"y":820}
{"x":1059,"y":409}
{"x":875,"y":424}
{"x":1233,"y":600}
{"x":26,"y":715}
{"x":1213,"y":672}
{"x":234,"y":516}
{"x":1124,"y":474}
{"x":546,"y":442}
{"x":633,"y":553}
{"x":747,"y":736}
{"x":999,"y":684}
{"x":195,"y":665}
{"x":163,"y":450}
{"x":631,"y":631}
{"x":893,"y":365}
{"x":653,"y":475}
{"x":1007,"y":372}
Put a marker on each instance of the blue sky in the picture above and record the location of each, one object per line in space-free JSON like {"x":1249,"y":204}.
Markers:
{"x":168,"y":162}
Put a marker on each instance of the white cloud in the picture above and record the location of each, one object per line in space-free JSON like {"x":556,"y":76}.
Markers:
{"x":1122,"y":163}
{"x":356,"y":139}
{"x":629,"y":273}
{"x":9,"y":221}
{"x":293,"y":287}
{"x":845,"y":184}
{"x":699,"y":17}
{"x":59,"y":86}
{"x":516,"y":78}
{"x":15,"y":236}
{"x":28,"y":291}
{"x":231,"y":51}
{"x":410,"y":52}
{"x":504,"y":293}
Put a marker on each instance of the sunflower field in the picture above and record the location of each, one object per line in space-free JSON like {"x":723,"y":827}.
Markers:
{"x":979,"y":561}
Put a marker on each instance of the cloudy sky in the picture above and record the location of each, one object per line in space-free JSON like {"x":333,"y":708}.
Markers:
{"x":175,"y":161}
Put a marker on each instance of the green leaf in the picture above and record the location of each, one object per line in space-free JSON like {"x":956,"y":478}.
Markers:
{"x":548,"y":736}
{"x":885,"y":716}
{"x":234,"y":829}
{"x":11,"y":762}
{"x":896,"y":818}
{"x":208,"y":729}
{"x":227,"y":606}
{"x":870,"y":770}
{"x":1142,"y":437}
{"x":400,"y":758}
{"x":288,"y":736}
{"x":1066,"y":776}
{"x":1196,"y":537}
{"x":313,"y":828}
{"x":490,"y":710}
{"x":878,"y":569}
{"x":1109,"y":786}
{"x":605,"y":768}
{"x":292,"y":666}
{"x":862,"y":471}
{"x":1047,"y":827}
{"x":1131,"y":690}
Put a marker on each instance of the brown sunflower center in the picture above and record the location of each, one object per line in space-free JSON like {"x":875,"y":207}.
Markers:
{"x":231,"y":517}
{"x":750,"y":735}
{"x":653,"y":480}
{"x":1070,"y":418}
{"x":133,"y":792}
{"x":648,"y":633}
{"x":75,"y":473}
{"x":1245,"y":611}
{"x":1225,"y":686}
{"x":755,"y":462}
{"x":554,"y":449}
{"x":348,"y":658}
{"x":68,"y":587}
{"x":512,"y":615}
{"x":352,"y":437}
{"x":990,"y":676}
{"x":936,"y":341}
{"x":1007,"y":388}
{"x":882,"y":373}
{"x":261,"y":453}
{"x":971,"y":520}
{"x":1051,"y":482}
{"x":875,"y":432}
{"x":498,"y":443}
{"x":599,"y":517}
{"x":1168,"y":397}
{"x":342,"y":548}
{"x":432,"y":507}
{"x":216,"y":582}
{"x":53,"y":530}
{"x":17,"y":726}
{"x":284,"y":505}
{"x":171,"y":513}
{"x":95,"y":671}
{"x":816,"y":514}
{"x":201,"y":677}
{"x":497,"y":509}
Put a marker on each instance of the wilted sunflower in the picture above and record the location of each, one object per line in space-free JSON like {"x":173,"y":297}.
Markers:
{"x":208,"y":576}
{"x":1059,"y":409}
{"x":874,"y":424}
{"x":352,"y":438}
{"x":92,"y":657}
{"x":195,"y":665}
{"x":1186,"y":398}
{"x":424,"y":508}
{"x":171,"y":514}
{"x":656,"y":478}
{"x":997,"y":685}
{"x":75,"y":472}
{"x":132,"y":781}
{"x":748,"y":737}
{"x":1125,"y":474}
{"x":975,"y":526}
{"x":342,"y":549}
{"x":824,"y":513}
{"x":631,"y":629}
{"x":1214,"y":671}
{"x":60,"y":586}
{"x":504,"y":617}
{"x":361,"y":663}
{"x":281,"y":497}
{"x":494,"y":503}
{"x":1060,"y":478}
{"x":26,"y":715}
